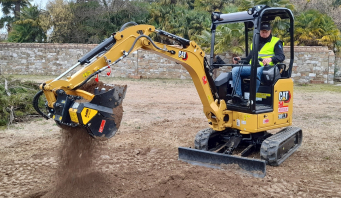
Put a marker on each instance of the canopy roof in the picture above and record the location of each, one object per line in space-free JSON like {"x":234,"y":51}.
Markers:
{"x":267,"y":14}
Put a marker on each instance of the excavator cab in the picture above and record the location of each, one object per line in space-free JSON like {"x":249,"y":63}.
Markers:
{"x":268,"y":108}
{"x":262,"y":100}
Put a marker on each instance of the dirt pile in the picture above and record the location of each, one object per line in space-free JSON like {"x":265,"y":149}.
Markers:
{"x":92,"y":84}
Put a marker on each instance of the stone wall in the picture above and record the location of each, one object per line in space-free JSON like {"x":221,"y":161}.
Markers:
{"x":337,"y":74}
{"x":313,"y":64}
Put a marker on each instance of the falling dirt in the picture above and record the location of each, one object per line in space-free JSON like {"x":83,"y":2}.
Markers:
{"x":75,"y":166}
{"x":141,"y":160}
{"x":76,"y":176}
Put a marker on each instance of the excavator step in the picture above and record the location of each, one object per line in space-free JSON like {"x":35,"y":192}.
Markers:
{"x":255,"y":167}
{"x":277,"y":148}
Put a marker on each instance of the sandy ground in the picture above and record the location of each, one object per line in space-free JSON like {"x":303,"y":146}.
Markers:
{"x":141,"y":160}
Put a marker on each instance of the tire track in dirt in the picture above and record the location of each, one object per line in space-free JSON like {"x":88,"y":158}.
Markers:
{"x":304,"y":183}
{"x":323,"y":185}
{"x":21,"y":177}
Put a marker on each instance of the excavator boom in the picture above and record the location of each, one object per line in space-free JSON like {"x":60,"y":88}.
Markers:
{"x":99,"y":113}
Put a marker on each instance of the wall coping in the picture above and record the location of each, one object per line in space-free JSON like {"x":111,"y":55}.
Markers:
{"x":307,"y":48}
{"x":48,"y":45}
{"x":90,"y":46}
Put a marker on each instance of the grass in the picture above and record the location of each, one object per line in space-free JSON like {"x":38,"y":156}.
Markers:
{"x":317,"y":88}
{"x":105,"y":79}
{"x":19,"y":101}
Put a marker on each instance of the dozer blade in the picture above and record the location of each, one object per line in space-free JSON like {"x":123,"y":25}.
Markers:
{"x":255,"y":167}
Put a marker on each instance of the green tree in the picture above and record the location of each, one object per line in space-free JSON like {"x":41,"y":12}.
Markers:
{"x":228,"y":38}
{"x":314,"y":28}
{"x":10,"y":7}
{"x":246,"y":4}
{"x":58,"y":16}
{"x":136,"y":11}
{"x":14,"y":6}
{"x":28,"y":28}
{"x":179,"y":20}
{"x":280,"y":29}
{"x":210,"y":5}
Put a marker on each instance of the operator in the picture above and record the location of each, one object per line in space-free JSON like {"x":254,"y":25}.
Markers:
{"x":270,"y":50}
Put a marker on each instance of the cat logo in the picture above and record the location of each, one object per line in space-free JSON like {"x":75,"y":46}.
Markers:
{"x":284,"y":96}
{"x":183,"y":55}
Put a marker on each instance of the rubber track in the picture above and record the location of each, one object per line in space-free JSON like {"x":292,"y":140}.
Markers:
{"x":269,"y":148}
{"x":201,"y":139}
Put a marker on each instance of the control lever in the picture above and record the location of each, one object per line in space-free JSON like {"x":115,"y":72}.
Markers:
{"x":236,"y":59}
{"x":261,"y":60}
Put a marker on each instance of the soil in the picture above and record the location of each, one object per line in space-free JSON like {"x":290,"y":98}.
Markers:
{"x":38,"y":159}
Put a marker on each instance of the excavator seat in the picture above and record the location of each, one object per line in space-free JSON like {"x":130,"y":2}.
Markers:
{"x":270,"y":76}
{"x":272,"y":73}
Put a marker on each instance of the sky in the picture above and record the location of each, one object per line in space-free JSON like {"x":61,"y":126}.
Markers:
{"x":40,"y":3}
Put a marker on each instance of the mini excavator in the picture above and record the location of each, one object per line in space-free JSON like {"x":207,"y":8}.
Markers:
{"x":235,"y":131}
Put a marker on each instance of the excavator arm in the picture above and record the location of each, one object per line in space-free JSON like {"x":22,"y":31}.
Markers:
{"x":65,"y":97}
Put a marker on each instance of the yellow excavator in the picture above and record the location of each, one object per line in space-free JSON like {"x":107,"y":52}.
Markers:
{"x":234,"y":130}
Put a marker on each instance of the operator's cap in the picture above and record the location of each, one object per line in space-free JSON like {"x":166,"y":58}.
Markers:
{"x":265,"y":26}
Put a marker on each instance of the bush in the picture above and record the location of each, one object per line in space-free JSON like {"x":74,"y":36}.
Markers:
{"x":19,"y":101}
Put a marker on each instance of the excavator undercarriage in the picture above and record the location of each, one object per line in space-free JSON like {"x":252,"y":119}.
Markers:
{"x":231,"y":147}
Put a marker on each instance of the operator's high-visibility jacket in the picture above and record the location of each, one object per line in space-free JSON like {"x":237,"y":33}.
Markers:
{"x":268,"y":50}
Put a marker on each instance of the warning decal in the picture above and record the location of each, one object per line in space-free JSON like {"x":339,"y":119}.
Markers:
{"x":102,"y":126}
{"x":282,"y":108}
{"x":204,"y":80}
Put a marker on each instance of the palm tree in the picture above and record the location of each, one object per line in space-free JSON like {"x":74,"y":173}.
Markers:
{"x":210,"y":5}
{"x":204,"y":40}
{"x":28,"y":28}
{"x":280,"y":29}
{"x":9,"y":7}
{"x":276,"y":3}
{"x":229,"y":38}
{"x":246,"y":4}
{"x":14,"y":6}
{"x":179,"y":20}
{"x":315,"y":28}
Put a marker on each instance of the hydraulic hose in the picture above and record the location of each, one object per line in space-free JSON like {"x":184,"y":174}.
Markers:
{"x":36,"y":102}
{"x":128,"y":24}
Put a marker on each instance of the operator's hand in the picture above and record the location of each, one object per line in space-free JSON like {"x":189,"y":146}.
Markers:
{"x":236,"y":59}
{"x":266,"y":61}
